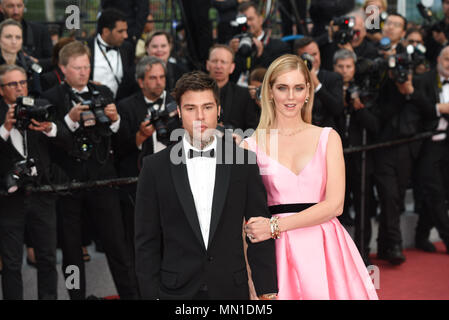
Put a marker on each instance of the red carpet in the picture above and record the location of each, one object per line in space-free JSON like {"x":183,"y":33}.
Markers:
{"x":424,"y":276}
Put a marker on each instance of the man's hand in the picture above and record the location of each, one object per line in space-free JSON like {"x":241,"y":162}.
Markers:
{"x":40,"y":126}
{"x":9,"y":119}
{"x":406,"y":88}
{"x":75,"y":112}
{"x":145,"y":131}
{"x":234,"y":44}
{"x":111,"y":112}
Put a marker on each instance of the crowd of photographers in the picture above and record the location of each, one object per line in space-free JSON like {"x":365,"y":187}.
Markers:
{"x":81,"y":111}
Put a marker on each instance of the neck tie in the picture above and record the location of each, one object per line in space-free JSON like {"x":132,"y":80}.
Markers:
{"x":194,"y":154}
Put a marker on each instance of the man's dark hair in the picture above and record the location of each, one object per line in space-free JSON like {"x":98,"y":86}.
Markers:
{"x":195,"y":81}
{"x":246,"y":5}
{"x":401,"y":16}
{"x":108,"y":19}
{"x":301,"y":43}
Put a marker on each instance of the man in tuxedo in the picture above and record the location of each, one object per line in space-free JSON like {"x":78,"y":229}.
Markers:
{"x":328,"y":103}
{"x":238,"y":111}
{"x":89,"y":158}
{"x":434,"y":158}
{"x":267,"y":48}
{"x":19,"y":144}
{"x":112,"y":57}
{"x":189,"y":219}
{"x":137,"y":136}
{"x":36,"y":38}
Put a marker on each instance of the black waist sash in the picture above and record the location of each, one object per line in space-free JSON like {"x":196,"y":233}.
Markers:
{"x":290,"y":207}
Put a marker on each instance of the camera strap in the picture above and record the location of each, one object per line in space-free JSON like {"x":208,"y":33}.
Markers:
{"x":109,"y":63}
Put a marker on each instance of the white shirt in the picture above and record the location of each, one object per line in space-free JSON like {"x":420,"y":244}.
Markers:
{"x":201,"y":173}
{"x":157,"y":146}
{"x":101,"y":70}
{"x":442,"y":124}
{"x":73,"y":126}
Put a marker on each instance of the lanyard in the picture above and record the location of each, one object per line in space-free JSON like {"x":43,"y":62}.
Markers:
{"x":109,"y":63}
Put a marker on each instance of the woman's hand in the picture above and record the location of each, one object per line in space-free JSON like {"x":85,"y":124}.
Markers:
{"x":258,"y":229}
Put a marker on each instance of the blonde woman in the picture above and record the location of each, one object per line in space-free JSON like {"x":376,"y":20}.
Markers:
{"x":303,"y":170}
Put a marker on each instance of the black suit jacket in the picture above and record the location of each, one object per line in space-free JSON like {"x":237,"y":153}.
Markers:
{"x":100,"y":165}
{"x":172,"y":261}
{"x":128,"y":85}
{"x":237,"y":107}
{"x":328,"y":101}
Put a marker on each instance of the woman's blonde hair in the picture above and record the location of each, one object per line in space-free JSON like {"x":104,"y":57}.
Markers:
{"x":281,"y":65}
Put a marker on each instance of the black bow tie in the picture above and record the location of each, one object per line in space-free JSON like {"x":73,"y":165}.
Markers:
{"x":159,"y":102}
{"x":110,"y":48}
{"x":445,"y":82}
{"x":209,"y":153}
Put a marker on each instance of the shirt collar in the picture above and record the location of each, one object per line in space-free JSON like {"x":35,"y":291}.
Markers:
{"x":188,"y":146}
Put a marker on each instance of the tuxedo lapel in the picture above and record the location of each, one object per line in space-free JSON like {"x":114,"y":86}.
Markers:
{"x":182,"y":186}
{"x":222,"y":177}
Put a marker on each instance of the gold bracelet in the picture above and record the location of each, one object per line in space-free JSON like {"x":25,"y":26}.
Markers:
{"x":274,"y":225}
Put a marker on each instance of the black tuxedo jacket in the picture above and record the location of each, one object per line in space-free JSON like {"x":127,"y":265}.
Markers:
{"x":238,"y":109}
{"x":328,"y":102}
{"x":172,"y":261}
{"x":81,"y":170}
{"x":128,"y":85}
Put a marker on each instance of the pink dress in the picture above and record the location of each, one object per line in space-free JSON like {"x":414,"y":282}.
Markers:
{"x":318,"y":262}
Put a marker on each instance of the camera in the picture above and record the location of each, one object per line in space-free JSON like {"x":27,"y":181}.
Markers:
{"x":308,"y":60}
{"x":21,"y":169}
{"x":403,"y":63}
{"x":164,"y":121}
{"x":28,"y":108}
{"x":345,"y":32}
{"x":95,"y":116}
{"x":240,"y":30}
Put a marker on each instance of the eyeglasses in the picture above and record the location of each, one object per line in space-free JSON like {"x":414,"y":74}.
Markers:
{"x":15,"y":84}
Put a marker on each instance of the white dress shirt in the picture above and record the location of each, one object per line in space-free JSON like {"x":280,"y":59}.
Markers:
{"x":201,"y":174}
{"x":442,"y":124}
{"x":73,"y":126}
{"x":102,"y":71}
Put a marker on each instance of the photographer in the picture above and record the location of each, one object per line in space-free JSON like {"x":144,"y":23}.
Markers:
{"x":86,"y":110}
{"x":11,"y":41}
{"x":264,"y":49}
{"x":357,"y":117}
{"x":24,"y":159}
{"x":434,"y":157}
{"x":342,"y":36}
{"x":328,"y":103}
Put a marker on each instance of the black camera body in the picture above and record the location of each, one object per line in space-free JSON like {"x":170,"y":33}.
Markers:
{"x":345,"y":32}
{"x":21,"y":169}
{"x":28,"y":108}
{"x":164,"y":121}
{"x":240,"y":27}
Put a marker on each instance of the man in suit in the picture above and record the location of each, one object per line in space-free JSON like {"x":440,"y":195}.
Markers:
{"x":112,"y":57}
{"x":238,"y":111}
{"x":267,"y":48}
{"x":137,"y":136}
{"x":89,"y":158}
{"x":328,"y":103}
{"x":37,"y":212}
{"x":36,"y":38}
{"x":189,"y":219}
{"x":434,"y":157}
